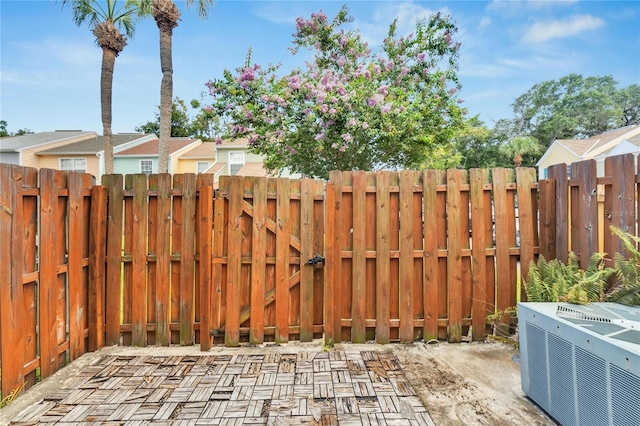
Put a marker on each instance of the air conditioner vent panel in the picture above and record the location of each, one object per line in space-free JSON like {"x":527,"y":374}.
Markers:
{"x":581,"y":363}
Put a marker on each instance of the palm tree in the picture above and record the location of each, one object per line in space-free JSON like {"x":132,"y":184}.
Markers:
{"x":167,"y":15}
{"x":519,"y":145}
{"x":106,"y":20}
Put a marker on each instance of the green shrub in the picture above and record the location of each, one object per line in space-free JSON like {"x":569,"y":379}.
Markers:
{"x":554,"y":281}
{"x":626,"y":288}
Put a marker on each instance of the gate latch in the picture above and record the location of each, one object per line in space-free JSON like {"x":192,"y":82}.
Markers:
{"x":315,"y":260}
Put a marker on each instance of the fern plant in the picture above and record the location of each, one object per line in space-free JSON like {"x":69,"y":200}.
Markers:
{"x":626,"y":288}
{"x":554,"y":281}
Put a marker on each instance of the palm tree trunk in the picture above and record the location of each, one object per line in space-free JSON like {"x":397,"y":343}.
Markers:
{"x":166,"y":96}
{"x":106,"y":89}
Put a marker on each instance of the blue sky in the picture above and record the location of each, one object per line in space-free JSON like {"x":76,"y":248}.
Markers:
{"x":50,"y":69}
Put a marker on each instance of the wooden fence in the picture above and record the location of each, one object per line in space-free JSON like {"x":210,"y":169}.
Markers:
{"x":165,"y":260}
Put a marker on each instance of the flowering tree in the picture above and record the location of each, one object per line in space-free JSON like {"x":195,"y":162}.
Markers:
{"x":349,"y":109}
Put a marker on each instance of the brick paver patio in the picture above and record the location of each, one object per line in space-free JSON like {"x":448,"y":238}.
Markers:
{"x":304,"y":388}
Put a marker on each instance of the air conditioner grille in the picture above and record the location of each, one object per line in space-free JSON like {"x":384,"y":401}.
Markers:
{"x":561,"y":380}
{"x":567,"y":312}
{"x":537,"y":364}
{"x":591,"y":374}
{"x":625,"y":397}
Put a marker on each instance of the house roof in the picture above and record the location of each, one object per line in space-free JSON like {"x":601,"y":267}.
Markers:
{"x":582,"y":147}
{"x":92,"y":145}
{"x":15,"y":143}
{"x":151,"y":148}
{"x":253,"y":169}
{"x":204,"y":150}
{"x":215,"y":168}
{"x":238,"y":143}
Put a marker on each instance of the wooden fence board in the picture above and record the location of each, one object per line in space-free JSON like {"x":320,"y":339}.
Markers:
{"x":584,"y":207}
{"x":187,"y":259}
{"x":558,"y":172}
{"x":370,"y":260}
{"x":113,"y":290}
{"x":217,"y":276}
{"x":139,"y":261}
{"x":11,"y":269}
{"x":502,"y":229}
{"x":234,"y":261}
{"x":98,"y":298}
{"x":394,"y":266}
{"x":205,"y":230}
{"x":619,"y":209}
{"x":431,"y":179}
{"x":382,"y":258}
{"x":528,"y":221}
{"x":30,"y":266}
{"x":406,"y":257}
{"x":454,"y":255}
{"x":358,"y":260}
{"x":547,"y":219}
{"x":477,"y":179}
{"x":162,"y":186}
{"x":306,"y":253}
{"x":282,"y":265}
{"x":318,"y":189}
{"x":332,"y":328}
{"x":258,"y":261}
{"x":48,"y":272}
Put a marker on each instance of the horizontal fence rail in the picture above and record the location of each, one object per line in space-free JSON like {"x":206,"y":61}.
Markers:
{"x":384,"y":256}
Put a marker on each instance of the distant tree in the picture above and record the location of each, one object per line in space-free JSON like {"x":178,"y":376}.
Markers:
{"x":167,"y":15}
{"x":4,"y":132}
{"x":106,"y":21}
{"x":571,"y":107}
{"x":629,"y":100}
{"x":518,"y":146}
{"x":206,"y":124}
{"x":180,"y":124}
{"x":478,"y":147}
{"x":349,"y":109}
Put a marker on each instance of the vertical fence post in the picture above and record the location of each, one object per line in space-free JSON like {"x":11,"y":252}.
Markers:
{"x":139,"y":261}
{"x":584,"y":210}
{"x":306,"y":253}
{"x":405,"y":296}
{"x":383,"y":282}
{"x":479,"y":209}
{"x":358,"y":292}
{"x":234,"y":262}
{"x":528,"y":221}
{"x":619,"y":201}
{"x":205,"y":230}
{"x":558,"y":173}
{"x":97,"y":271}
{"x":547,"y":218}
{"x":187,"y":259}
{"x":454,"y":256}
{"x":258,"y":261}
{"x":11,"y":326}
{"x":331,"y":259}
{"x":114,"y":239}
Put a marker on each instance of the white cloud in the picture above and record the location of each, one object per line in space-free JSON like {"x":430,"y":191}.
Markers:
{"x":546,"y":30}
{"x":279,"y":13}
{"x":484,"y":22}
{"x":406,"y":13}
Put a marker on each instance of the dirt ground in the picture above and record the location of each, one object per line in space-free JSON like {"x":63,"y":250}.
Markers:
{"x":459,"y":384}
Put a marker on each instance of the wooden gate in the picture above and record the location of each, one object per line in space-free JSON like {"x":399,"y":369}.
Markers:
{"x":267,"y":259}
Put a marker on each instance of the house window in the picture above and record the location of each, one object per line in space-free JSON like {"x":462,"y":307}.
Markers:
{"x":236,"y":161}
{"x":202,"y":166}
{"x":146,"y":167}
{"x":74,"y":164}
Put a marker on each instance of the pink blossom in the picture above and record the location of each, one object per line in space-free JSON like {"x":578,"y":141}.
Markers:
{"x":333,"y":100}
{"x":320,"y":136}
{"x":365,"y":125}
{"x":384,"y":90}
{"x":264,"y":98}
{"x":218,"y":140}
{"x":334,"y":145}
{"x":351,"y":122}
{"x":294,"y":82}
{"x":341,"y":61}
{"x":343,"y":148}
{"x":332,"y":111}
{"x":452,"y":90}
{"x":324,"y":108}
{"x":386,"y":108}
{"x":346,"y":137}
{"x":248,"y":114}
{"x":375,"y":99}
{"x":460,"y":101}
{"x":421,"y":57}
{"x":404,"y":71}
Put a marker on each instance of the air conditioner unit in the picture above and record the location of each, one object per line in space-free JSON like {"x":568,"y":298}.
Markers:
{"x":581,"y":363}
